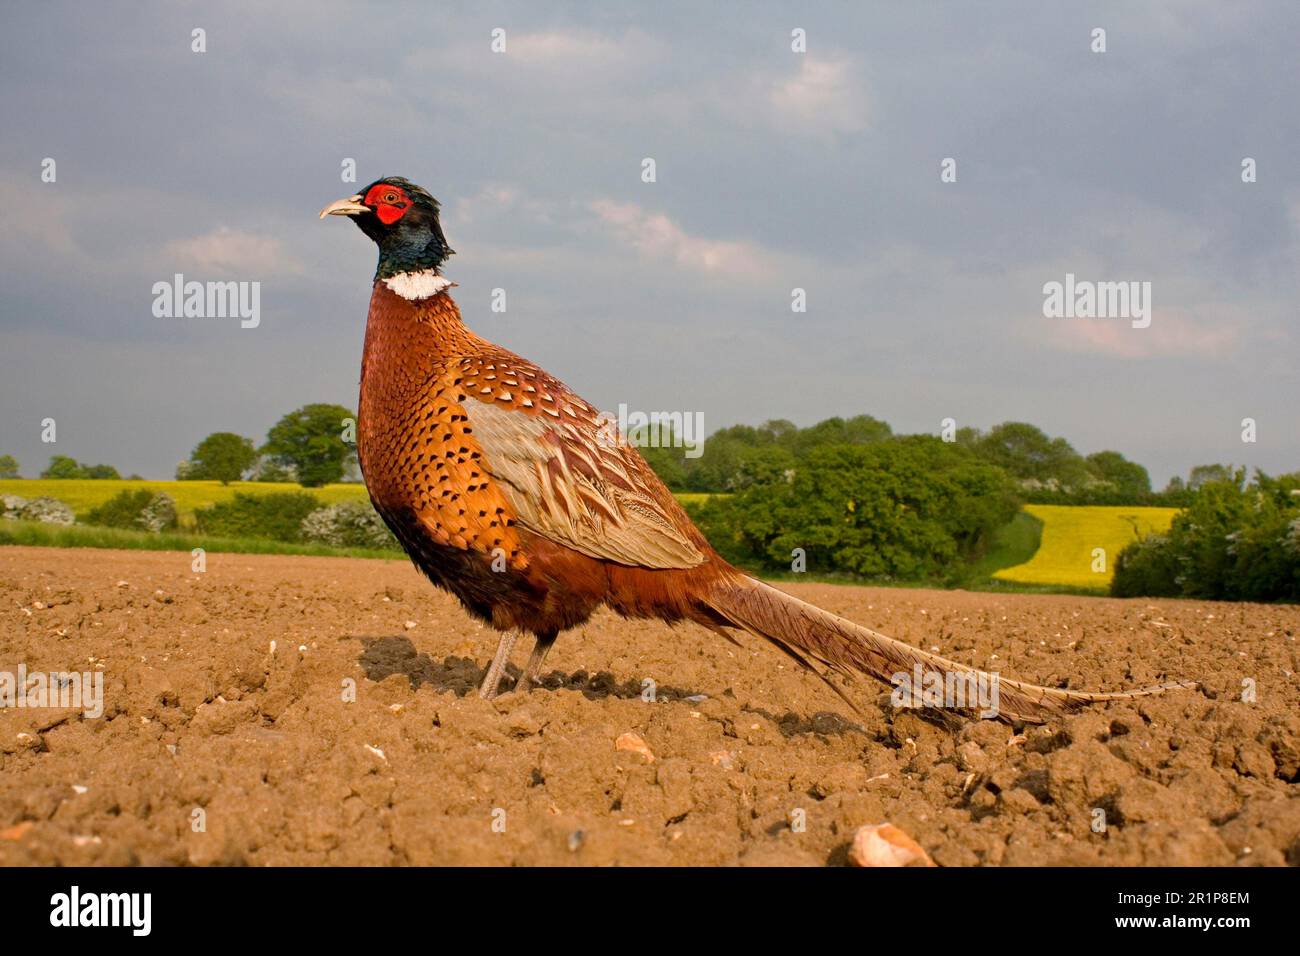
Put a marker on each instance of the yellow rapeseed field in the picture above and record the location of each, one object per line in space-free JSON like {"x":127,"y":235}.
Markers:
{"x":83,"y":494}
{"x":1070,"y":536}
{"x":694,"y":497}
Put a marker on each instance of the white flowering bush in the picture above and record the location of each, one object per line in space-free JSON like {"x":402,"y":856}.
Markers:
{"x":351,"y":524}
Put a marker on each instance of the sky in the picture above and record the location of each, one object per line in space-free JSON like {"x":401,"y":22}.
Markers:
{"x":775,"y":170}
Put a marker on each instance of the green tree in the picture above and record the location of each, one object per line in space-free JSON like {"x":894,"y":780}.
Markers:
{"x":63,"y":467}
{"x":778,"y":431}
{"x":268,"y":470}
{"x":1204,"y":474}
{"x":658,"y":445}
{"x":101,"y":471}
{"x":223,"y":457}
{"x":1233,"y":542}
{"x":716,"y":470}
{"x":1029,"y":454}
{"x":858,"y":430}
{"x":1127,"y":478}
{"x":8,"y":466}
{"x":764,"y":465}
{"x":909,"y":508}
{"x":741,"y":456}
{"x":311,"y":441}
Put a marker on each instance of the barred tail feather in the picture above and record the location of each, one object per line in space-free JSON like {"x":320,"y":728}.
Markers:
{"x":804,"y":630}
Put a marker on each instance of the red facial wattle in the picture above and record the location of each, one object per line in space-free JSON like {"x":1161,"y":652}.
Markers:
{"x":389,"y":202}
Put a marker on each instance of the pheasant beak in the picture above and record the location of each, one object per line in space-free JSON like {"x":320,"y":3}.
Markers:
{"x":351,"y":206}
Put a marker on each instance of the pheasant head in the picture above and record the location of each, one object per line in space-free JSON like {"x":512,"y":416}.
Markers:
{"x":402,"y":219}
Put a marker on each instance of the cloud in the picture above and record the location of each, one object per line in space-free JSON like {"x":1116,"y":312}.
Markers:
{"x":564,"y":49}
{"x":601,"y":74}
{"x":327,"y":99}
{"x":657,"y":236}
{"x":1293,"y":213}
{"x":36,"y":215}
{"x":920,"y":294}
{"x":823,"y":97}
{"x":1170,"y":335}
{"x":572,"y":54}
{"x":497,"y":200}
{"x":233,"y":252}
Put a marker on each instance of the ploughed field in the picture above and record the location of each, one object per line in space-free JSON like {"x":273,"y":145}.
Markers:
{"x":298,"y":710}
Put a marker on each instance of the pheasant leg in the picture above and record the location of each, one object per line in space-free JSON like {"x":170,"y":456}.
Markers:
{"x":500,"y":659}
{"x":531,"y":673}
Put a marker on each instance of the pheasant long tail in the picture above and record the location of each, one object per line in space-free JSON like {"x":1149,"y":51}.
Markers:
{"x":806,"y":631}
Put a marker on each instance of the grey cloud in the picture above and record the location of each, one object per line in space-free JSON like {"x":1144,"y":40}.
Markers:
{"x":924,"y":298}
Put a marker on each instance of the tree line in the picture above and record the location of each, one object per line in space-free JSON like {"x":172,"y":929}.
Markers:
{"x":849,"y":496}
{"x":312,"y":446}
{"x":1046,"y":470}
{"x":1237,"y":540}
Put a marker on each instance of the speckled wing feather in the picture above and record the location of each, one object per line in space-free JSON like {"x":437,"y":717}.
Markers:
{"x":565,"y":472}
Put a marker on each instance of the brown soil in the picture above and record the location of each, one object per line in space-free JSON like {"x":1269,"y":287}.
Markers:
{"x":201,"y":714}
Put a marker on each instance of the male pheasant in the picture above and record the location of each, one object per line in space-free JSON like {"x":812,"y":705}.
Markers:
{"x":509,"y":491}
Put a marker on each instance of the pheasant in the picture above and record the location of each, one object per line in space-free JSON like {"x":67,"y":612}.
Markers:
{"x":508,"y":490}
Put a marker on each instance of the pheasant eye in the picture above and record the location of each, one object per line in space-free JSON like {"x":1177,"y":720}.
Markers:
{"x":388,"y":202}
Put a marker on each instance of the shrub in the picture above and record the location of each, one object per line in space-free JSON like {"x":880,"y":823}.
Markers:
{"x":1147,"y":568}
{"x":11,"y":506}
{"x":121,"y":510}
{"x":140,"y":509}
{"x":278,"y":516}
{"x":908,"y":508}
{"x":1234,"y":542}
{"x":158,"y":515}
{"x":46,"y":511}
{"x":350,"y":524}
